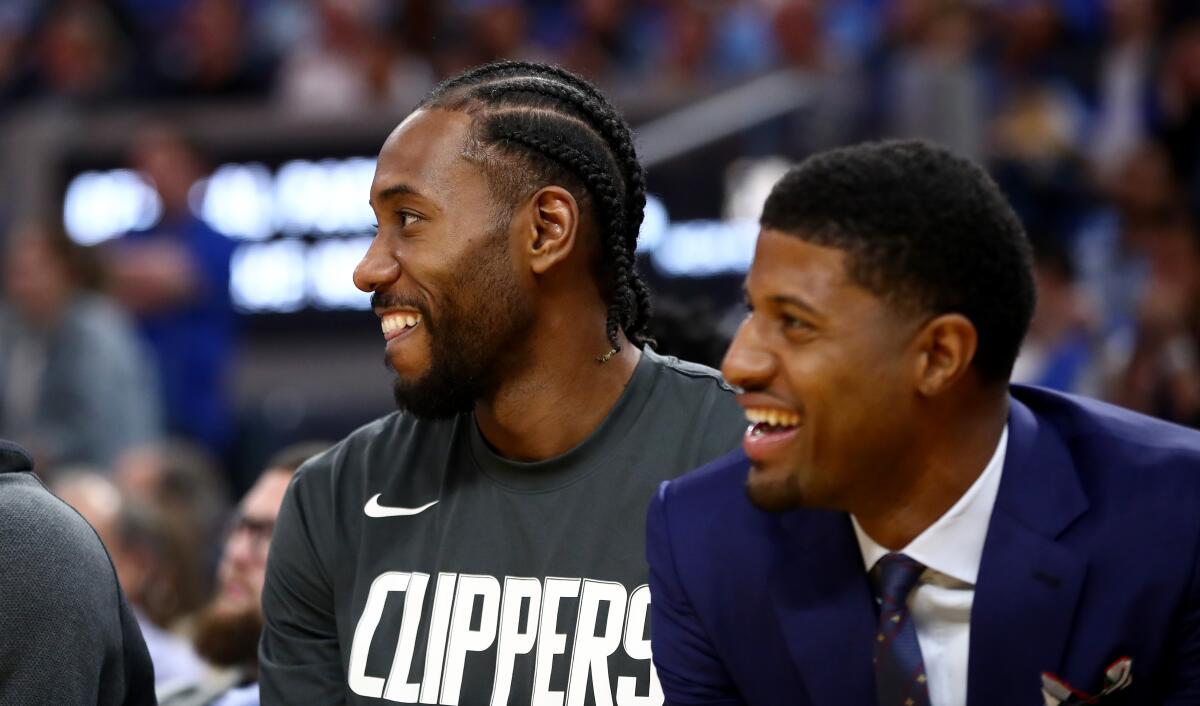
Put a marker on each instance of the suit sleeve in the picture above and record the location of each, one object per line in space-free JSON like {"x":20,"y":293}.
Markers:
{"x":688,"y":667}
{"x":1185,"y":687}
{"x":300,"y":661}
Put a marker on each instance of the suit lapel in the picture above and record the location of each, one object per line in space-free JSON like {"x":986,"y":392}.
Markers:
{"x":1028,"y":583}
{"x":824,"y":605}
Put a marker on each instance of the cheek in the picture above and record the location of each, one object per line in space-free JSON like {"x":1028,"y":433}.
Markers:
{"x":843,"y":392}
{"x":255,"y":579}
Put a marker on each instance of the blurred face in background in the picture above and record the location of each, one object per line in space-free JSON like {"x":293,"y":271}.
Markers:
{"x":37,"y":280}
{"x":227,"y":630}
{"x":169,"y":162}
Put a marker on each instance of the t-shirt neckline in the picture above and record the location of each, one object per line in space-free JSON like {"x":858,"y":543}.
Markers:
{"x":566,"y":468}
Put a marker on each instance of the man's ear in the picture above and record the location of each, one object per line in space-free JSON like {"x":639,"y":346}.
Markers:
{"x":946,"y":347}
{"x":553,"y":228}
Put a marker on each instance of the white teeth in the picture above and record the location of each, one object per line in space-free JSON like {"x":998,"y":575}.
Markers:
{"x":772,"y":417}
{"x":396,"y":322}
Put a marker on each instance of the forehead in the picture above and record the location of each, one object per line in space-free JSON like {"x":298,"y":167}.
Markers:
{"x":785,"y":264}
{"x":263,"y":500}
{"x":425,"y":152}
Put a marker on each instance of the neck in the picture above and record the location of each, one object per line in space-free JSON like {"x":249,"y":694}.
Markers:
{"x":559,"y":393}
{"x":939,"y":467}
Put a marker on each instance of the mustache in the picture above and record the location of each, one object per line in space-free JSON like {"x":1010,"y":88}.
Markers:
{"x":383,"y":300}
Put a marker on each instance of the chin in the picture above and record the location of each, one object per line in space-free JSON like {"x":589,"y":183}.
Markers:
{"x":776,"y":491}
{"x":408,"y":370}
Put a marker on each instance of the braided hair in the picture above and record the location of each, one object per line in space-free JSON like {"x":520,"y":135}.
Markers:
{"x":564,"y":132}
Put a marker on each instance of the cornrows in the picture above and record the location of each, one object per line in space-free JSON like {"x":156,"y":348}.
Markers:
{"x":566,"y":132}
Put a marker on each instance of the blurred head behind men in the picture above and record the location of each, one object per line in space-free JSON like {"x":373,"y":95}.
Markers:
{"x":228,"y":627}
{"x":889,"y":293}
{"x":43,"y":270}
{"x":185,"y":487}
{"x":171,"y":162}
{"x":132,"y":532}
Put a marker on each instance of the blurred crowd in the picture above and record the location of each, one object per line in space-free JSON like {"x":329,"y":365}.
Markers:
{"x":114,"y":360}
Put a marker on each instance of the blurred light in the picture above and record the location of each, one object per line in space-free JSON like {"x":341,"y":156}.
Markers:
{"x":654,"y":225}
{"x":238,"y":201}
{"x":331,"y":266}
{"x":102,"y":205}
{"x":325,"y":197}
{"x":748,"y":182}
{"x":704,"y":248}
{"x":299,"y":197}
{"x":347,"y":193}
{"x":268,"y":276}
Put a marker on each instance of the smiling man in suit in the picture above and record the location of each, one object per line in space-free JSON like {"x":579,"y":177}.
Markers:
{"x":903,"y":526}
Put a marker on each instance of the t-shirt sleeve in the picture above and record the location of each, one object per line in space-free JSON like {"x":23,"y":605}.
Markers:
{"x":299,"y":656}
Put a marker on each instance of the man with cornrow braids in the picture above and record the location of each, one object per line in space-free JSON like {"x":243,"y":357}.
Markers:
{"x":483,"y":544}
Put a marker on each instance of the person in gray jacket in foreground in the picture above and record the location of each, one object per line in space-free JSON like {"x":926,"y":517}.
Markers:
{"x":69,"y":637}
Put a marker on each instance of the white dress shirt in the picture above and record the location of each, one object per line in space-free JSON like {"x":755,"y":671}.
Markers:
{"x":940,"y":604}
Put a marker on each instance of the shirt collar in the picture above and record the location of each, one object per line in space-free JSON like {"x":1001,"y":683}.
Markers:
{"x":952,"y":545}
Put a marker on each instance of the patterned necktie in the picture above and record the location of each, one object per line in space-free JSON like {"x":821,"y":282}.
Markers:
{"x":899,"y":670}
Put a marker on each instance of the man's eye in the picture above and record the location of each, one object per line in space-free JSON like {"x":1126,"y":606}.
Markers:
{"x":791,"y":322}
{"x":407,"y":219}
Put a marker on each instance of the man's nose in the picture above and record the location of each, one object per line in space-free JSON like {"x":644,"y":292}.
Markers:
{"x":747,"y":364}
{"x":239,"y":549}
{"x":378,"y":267}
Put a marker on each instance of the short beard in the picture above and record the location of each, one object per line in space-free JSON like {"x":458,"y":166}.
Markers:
{"x":484,"y":315}
{"x":229,"y":638}
{"x":777,"y":495}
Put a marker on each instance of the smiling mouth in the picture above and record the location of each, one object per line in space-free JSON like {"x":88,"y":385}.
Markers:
{"x":397,"y":324}
{"x":765,"y":421}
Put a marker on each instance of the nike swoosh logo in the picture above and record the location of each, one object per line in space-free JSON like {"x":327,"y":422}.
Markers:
{"x":374,"y":509}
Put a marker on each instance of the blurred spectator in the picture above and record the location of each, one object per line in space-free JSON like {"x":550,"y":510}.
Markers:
{"x":228,"y":628}
{"x":1180,"y":104}
{"x":936,"y":89}
{"x":137,"y":541}
{"x":1126,"y":83}
{"x":1058,"y":351}
{"x":185,"y":486}
{"x":1111,"y":245}
{"x":351,"y":66}
{"x":1163,"y":375}
{"x":209,"y":53}
{"x":76,"y":385}
{"x":16,"y":64}
{"x":174,"y":278}
{"x":82,"y":53}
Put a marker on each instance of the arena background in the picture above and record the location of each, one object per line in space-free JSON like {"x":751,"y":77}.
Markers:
{"x":1087,"y":112}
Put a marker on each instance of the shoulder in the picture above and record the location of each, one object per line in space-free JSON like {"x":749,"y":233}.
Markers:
{"x":692,"y":375}
{"x":718,"y":487}
{"x":383,"y":443}
{"x":696,"y":391}
{"x":1110,"y":435}
{"x":396,"y":452}
{"x":52,"y":556}
{"x":1141,"y":473}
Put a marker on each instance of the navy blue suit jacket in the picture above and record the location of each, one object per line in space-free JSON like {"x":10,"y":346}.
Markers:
{"x":1091,"y":555}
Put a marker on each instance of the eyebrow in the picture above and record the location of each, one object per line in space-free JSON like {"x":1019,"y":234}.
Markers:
{"x":794,"y":301}
{"x":784,"y":299}
{"x":395,"y":190}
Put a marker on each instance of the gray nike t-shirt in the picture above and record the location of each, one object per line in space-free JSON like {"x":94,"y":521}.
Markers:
{"x":412,"y":564}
